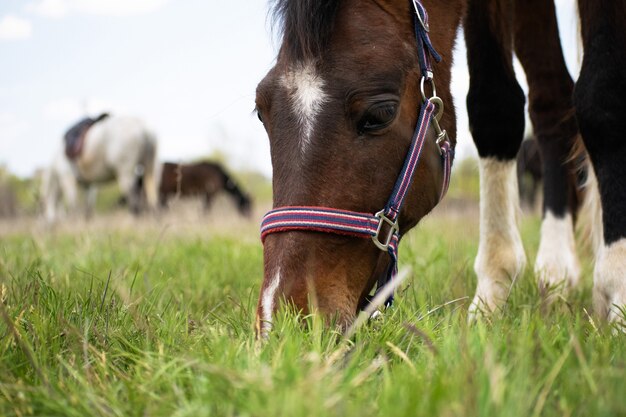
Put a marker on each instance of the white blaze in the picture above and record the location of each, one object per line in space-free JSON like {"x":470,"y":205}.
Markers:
{"x":305,"y":87}
{"x":267,"y":303}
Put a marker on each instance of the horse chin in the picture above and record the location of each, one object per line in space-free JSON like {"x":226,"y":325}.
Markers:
{"x":317,"y":273}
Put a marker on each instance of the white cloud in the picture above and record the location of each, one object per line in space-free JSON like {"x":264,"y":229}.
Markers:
{"x":61,"y":8}
{"x":13,"y":27}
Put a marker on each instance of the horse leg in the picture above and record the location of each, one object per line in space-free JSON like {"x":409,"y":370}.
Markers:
{"x":495,"y":104}
{"x":150,"y":188}
{"x":127,"y":182}
{"x":92,"y":196}
{"x":69,"y":188}
{"x":601,"y":112}
{"x":522,"y":184}
{"x":538,"y":48}
{"x":532,"y":196}
{"x":209,"y":196}
{"x":149,"y":177}
{"x":51,"y":193}
{"x":163,"y":200}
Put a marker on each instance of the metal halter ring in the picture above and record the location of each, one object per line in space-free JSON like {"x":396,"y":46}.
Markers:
{"x":432,"y":86}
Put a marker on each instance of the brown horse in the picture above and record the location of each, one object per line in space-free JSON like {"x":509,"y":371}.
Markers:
{"x":530,"y":174}
{"x":202,"y":179}
{"x":342,"y":102}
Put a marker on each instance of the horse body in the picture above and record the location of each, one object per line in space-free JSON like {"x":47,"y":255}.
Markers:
{"x":117,"y":148}
{"x":204,"y":179}
{"x":342,"y":100}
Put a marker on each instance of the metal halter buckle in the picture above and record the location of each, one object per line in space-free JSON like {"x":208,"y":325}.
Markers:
{"x":442,"y":135}
{"x":393,"y":229}
{"x":439,"y":105}
{"x":442,"y":138}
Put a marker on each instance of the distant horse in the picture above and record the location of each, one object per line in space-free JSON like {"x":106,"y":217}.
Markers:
{"x":102,"y":150}
{"x":530,"y":175}
{"x":202,"y":179}
{"x":351,"y":109}
{"x":529,"y":172}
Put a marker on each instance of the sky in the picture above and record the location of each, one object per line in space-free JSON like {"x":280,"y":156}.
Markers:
{"x":188,"y":68}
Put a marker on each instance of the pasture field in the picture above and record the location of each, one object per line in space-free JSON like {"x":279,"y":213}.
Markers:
{"x":124,"y":317}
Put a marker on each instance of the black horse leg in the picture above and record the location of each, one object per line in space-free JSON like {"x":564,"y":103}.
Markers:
{"x":600,"y":99}
{"x":496,"y":112}
{"x":538,"y":47}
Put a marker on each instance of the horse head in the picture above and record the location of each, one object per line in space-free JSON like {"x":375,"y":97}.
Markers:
{"x":340,"y":109}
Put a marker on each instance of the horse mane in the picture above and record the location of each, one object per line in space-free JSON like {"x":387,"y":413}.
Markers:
{"x":306,"y":26}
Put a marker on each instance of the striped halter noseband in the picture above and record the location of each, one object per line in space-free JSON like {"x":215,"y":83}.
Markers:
{"x":381,"y":227}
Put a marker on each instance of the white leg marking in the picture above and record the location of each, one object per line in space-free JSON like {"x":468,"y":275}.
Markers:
{"x":590,"y":214}
{"x":305,"y":87}
{"x":557,"y":263}
{"x":501,"y":256}
{"x":609,"y":290}
{"x":269,"y":295}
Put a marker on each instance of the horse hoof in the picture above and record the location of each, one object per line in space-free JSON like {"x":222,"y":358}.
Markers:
{"x":497,"y":269}
{"x":609,"y":290}
{"x":557,"y":268}
{"x":490,"y":298}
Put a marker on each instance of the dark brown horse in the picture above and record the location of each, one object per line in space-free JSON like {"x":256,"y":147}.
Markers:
{"x":530,"y":175}
{"x":529,"y":172}
{"x":202,"y":179}
{"x":342,"y":102}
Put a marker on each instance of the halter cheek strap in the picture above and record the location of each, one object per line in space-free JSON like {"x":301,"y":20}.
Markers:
{"x":381,"y":227}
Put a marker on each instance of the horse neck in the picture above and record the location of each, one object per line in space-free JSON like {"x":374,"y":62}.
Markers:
{"x":230,"y":186}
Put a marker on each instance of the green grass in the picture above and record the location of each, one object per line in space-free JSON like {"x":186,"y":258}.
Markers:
{"x":161,"y":324}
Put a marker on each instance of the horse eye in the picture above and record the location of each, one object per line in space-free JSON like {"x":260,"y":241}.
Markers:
{"x":259,"y":115}
{"x":377,"y":117}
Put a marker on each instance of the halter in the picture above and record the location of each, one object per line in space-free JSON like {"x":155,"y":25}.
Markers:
{"x":381,"y":227}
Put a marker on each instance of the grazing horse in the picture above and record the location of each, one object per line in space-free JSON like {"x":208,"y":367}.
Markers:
{"x":203,"y":179}
{"x":113,"y":148}
{"x":352,"y":96}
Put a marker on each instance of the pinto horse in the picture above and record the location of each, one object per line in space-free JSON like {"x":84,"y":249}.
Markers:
{"x":352,"y":81}
{"x":204,"y":179}
{"x":115,"y":148}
